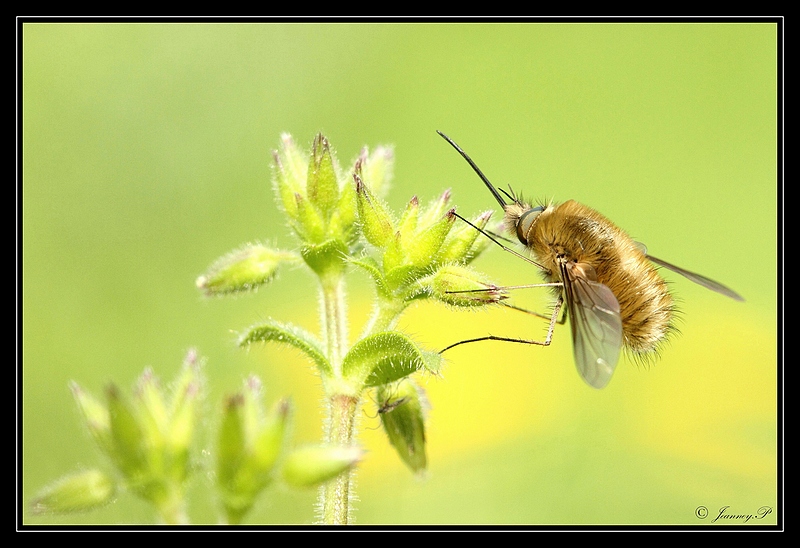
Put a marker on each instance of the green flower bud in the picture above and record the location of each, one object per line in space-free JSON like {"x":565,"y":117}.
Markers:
{"x":289,"y":176}
{"x":407,"y":226}
{"x":464,"y":242}
{"x":243,"y":270}
{"x":154,"y":409}
{"x":402,"y":410}
{"x":435,"y":209}
{"x":313,"y":465}
{"x":376,"y":224}
{"x":458,"y":285}
{"x":344,"y":217}
{"x":127,"y":434}
{"x":423,"y":249}
{"x":76,"y":492}
{"x":377,"y":169}
{"x":322,"y":188}
{"x":95,"y":416}
{"x":248,"y":448}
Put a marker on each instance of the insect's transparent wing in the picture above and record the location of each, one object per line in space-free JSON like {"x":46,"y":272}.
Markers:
{"x":708,"y":283}
{"x":596,"y":327}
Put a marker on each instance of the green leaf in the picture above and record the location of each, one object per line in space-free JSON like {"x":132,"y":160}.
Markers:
{"x":279,"y":332}
{"x":325,"y":258}
{"x":370,"y":266}
{"x":386,"y":357}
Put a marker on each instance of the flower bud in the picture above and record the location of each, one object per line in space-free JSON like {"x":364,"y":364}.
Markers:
{"x":377,"y":169}
{"x":248,"y":447}
{"x":312,"y":465}
{"x":322,"y":187}
{"x":291,"y":171}
{"x":77,"y":492}
{"x":465,"y":242}
{"x":243,"y":270}
{"x":95,"y":416}
{"x":376,"y":224}
{"x":402,"y":410}
{"x":423,"y":250}
{"x":461,"y":286}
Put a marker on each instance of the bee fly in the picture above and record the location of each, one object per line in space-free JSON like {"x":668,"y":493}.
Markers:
{"x":613,"y":292}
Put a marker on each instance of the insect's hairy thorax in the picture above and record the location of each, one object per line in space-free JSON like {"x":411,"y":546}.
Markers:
{"x":568,"y":232}
{"x":572,"y":234}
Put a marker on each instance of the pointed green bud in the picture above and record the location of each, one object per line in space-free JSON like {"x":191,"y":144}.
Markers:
{"x":313,"y":465}
{"x":76,"y":492}
{"x":408,"y":222}
{"x":402,"y":410}
{"x":180,"y":433}
{"x":376,"y":224}
{"x":128,"y":437}
{"x":435,"y":209}
{"x":248,"y":447}
{"x":378,"y":169}
{"x":423,"y":249}
{"x":309,"y":224}
{"x":345,"y":216}
{"x":289,"y":176}
{"x":322,"y":188}
{"x":464,"y":242}
{"x":95,"y":416}
{"x":154,"y":419}
{"x":245,"y":269}
{"x":458,"y":285}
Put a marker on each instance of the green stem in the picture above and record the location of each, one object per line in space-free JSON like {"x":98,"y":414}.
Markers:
{"x":334,"y":320}
{"x":336,"y":494}
{"x":385,"y":316}
{"x":172,"y":508}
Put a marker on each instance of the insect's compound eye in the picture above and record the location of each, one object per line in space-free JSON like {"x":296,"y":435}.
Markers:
{"x":525,"y":222}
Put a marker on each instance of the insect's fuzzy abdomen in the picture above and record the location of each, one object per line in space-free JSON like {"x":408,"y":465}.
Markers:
{"x":573,"y":232}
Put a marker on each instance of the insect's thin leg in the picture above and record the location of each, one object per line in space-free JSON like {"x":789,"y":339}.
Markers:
{"x":513,"y":307}
{"x":508,"y":249}
{"x":561,"y":321}
{"x":546,"y":342}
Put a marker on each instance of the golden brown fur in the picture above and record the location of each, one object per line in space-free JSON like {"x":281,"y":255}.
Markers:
{"x":574,"y":232}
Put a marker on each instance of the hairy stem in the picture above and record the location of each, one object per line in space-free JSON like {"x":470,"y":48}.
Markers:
{"x":385,"y":316}
{"x":337,"y":493}
{"x":334,"y":320}
{"x":172,"y":508}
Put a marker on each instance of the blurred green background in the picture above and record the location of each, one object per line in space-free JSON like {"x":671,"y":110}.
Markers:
{"x":147,"y":155}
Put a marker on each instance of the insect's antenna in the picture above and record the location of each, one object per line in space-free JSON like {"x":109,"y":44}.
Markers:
{"x":475,"y":167}
{"x":492,"y":238}
{"x":509,"y":194}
